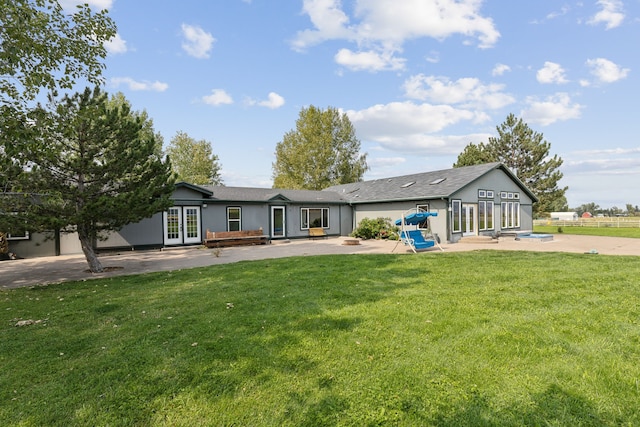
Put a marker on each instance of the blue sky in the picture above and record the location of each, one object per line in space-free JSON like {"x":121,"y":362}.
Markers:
{"x":419,"y":79}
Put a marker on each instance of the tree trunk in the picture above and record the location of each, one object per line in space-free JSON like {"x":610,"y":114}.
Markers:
{"x":87,"y":247}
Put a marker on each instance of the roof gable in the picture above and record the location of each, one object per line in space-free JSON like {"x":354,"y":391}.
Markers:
{"x":271,"y":195}
{"x":426,"y":185}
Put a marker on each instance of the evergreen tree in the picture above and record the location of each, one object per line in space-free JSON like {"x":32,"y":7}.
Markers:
{"x":94,"y":169}
{"x":322,"y":151}
{"x":42,"y":49}
{"x":526,"y":153}
{"x":193,"y":161}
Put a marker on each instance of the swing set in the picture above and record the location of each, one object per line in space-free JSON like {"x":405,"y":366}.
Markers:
{"x":415,"y":230}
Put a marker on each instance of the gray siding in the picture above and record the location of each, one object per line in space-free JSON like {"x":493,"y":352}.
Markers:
{"x":395,"y":210}
{"x":37,"y":245}
{"x":148,"y":232}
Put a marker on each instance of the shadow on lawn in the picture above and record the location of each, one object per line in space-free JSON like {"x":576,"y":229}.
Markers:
{"x":203,"y":337}
{"x":554,"y":406}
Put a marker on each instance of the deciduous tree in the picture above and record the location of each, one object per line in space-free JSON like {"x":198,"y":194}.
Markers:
{"x":95,"y":169}
{"x":526,"y":153}
{"x":42,"y":49}
{"x":322,"y":151}
{"x":193,"y":161}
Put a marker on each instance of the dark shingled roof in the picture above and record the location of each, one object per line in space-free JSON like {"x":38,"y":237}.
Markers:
{"x":248,"y":194}
{"x":426,"y":185}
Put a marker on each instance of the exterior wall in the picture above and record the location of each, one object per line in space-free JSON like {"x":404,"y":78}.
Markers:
{"x":395,"y":210}
{"x":146,"y":233}
{"x":564,"y":216}
{"x":498,"y":182}
{"x":255,"y":216}
{"x":37,"y":245}
{"x":346,"y":220}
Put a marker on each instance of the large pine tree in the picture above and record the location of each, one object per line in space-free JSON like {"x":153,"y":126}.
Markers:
{"x":94,"y":169}
{"x":526,"y":153}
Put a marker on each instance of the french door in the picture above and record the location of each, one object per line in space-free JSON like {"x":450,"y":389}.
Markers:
{"x":469,"y":220}
{"x":182,"y":225}
{"x":278,"y":222}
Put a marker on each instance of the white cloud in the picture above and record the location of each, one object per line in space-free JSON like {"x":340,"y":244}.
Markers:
{"x":371,"y":61}
{"x":551,"y":73}
{"x":116,"y":45}
{"x":412,"y":128}
{"x":381,"y":28}
{"x":197,"y":42}
{"x":611,"y":14}
{"x":274,"y":101}
{"x":98,"y":4}
{"x":217,"y":97}
{"x":468,"y":92}
{"x":434,"y":57}
{"x":329,"y":20}
{"x":500,"y":69}
{"x":139,"y":85}
{"x":563,"y":11}
{"x":610,"y":151}
{"x":385,"y":162}
{"x":554,"y":108}
{"x":606,"y":71}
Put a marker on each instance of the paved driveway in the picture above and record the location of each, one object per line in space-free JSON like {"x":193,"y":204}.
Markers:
{"x":49,"y":270}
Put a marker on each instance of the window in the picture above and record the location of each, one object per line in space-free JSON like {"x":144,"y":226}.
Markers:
{"x":510,"y":214}
{"x":314,"y":217}
{"x":24,"y":235}
{"x":485,"y":194}
{"x":17,"y":232}
{"x":424,"y":225}
{"x":485,"y":215}
{"x":456,"y":216}
{"x":234,"y":219}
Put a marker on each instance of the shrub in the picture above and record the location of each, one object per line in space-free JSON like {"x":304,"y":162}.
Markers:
{"x":378,"y":228}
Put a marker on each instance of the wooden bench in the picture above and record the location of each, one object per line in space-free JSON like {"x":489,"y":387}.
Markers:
{"x":217,"y":239}
{"x":317,"y":232}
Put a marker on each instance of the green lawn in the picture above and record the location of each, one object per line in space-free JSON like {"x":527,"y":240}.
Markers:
{"x":591,"y":231}
{"x":471,"y":338}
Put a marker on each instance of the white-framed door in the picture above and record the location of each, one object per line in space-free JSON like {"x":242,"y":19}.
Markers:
{"x":182,"y":225}
{"x":469,"y":219}
{"x":278,"y":222}
{"x":191,"y":224}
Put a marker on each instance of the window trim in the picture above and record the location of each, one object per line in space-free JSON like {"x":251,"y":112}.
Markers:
{"x":486,"y":222}
{"x":12,"y":237}
{"x":424,"y":207}
{"x":456,"y":209}
{"x":234,"y":220}
{"x":510,"y":215}
{"x":305,"y":223}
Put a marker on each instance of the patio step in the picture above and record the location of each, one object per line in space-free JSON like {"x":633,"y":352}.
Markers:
{"x":478,"y":239}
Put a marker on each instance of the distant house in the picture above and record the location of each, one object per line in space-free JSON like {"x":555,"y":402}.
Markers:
{"x":586,"y":215}
{"x":484,"y":199}
{"x":564,"y":216}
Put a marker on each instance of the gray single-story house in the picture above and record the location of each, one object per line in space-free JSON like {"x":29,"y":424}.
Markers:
{"x":484,"y":199}
{"x":478,"y":200}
